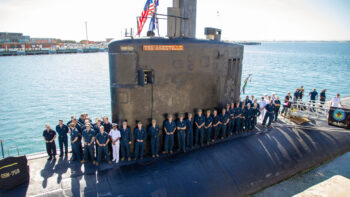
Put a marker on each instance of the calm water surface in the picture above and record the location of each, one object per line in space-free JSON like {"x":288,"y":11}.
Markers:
{"x":35,"y":90}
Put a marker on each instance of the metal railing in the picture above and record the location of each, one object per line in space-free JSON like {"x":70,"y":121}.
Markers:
{"x":310,"y":109}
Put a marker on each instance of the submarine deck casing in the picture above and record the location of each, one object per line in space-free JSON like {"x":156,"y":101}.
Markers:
{"x":180,"y":75}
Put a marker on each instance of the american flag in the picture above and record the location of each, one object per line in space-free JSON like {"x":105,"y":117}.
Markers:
{"x":147,"y":11}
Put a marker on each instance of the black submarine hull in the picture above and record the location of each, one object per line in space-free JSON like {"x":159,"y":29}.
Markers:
{"x":236,"y":167}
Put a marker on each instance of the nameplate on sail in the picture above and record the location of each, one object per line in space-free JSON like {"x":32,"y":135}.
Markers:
{"x":163,"y":47}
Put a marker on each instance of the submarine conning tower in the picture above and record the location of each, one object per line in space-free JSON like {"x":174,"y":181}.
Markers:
{"x":152,"y":77}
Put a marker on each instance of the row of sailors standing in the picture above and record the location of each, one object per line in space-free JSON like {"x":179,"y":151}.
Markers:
{"x":190,"y":132}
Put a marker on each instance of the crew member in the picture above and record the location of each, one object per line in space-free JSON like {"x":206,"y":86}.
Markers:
{"x":277,"y":109}
{"x":153,"y":131}
{"x":125,"y":141}
{"x":313,"y":95}
{"x":97,"y":131}
{"x":301,"y":95}
{"x":115,"y":139}
{"x":238,"y":117}
{"x":80,"y":134}
{"x":262,"y":104}
{"x":199,"y":121}
{"x":323,"y":97}
{"x":181,"y":133}
{"x":208,"y":126}
{"x":107,"y":126}
{"x":270,"y":110}
{"x":102,"y":140}
{"x":224,"y":119}
{"x":242,"y":125}
{"x":62,"y":131}
{"x":229,"y":125}
{"x":189,"y":131}
{"x":49,"y":136}
{"x":232,"y":118}
{"x":286,"y":104}
{"x":140,"y":137}
{"x":88,"y":138}
{"x":82,"y":119}
{"x":74,"y":133}
{"x":296,"y":95}
{"x":169,"y":129}
{"x":248,"y":117}
{"x":246,"y":101}
{"x":255,"y":115}
{"x":216,"y":124}
{"x":336,"y":102}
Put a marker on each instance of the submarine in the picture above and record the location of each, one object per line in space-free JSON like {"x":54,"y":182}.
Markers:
{"x":153,"y":77}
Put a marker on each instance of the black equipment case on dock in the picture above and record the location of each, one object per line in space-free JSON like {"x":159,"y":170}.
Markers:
{"x":13,"y":172}
{"x":339,"y":117}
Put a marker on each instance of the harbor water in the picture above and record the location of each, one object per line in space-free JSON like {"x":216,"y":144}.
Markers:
{"x":35,"y":90}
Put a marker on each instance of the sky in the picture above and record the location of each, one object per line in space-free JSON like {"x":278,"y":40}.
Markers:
{"x":239,"y":19}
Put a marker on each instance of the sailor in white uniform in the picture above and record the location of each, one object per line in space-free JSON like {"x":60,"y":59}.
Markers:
{"x":262,"y":104}
{"x":115,"y":139}
{"x":336,"y":102}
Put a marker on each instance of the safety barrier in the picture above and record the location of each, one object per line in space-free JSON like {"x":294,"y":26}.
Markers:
{"x":310,"y":110}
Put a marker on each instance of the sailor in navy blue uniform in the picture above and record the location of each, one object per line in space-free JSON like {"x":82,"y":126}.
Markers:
{"x":232,"y":118}
{"x":247,"y":100}
{"x":140,"y":137}
{"x":238,"y":117}
{"x":107,"y":126}
{"x":49,"y":137}
{"x":248,"y":117}
{"x":62,"y":131}
{"x":74,"y":134}
{"x":125,"y":141}
{"x":82,"y":119}
{"x":255,"y":115}
{"x":153,"y":131}
{"x":181,"y":133}
{"x":97,"y":130}
{"x":270,"y":110}
{"x":313,"y":97}
{"x":208,"y":126}
{"x":88,"y":138}
{"x":216,"y":124}
{"x":224,"y":119}
{"x":78,"y":126}
{"x":199,"y":120}
{"x":277,"y":109}
{"x":229,"y":128}
{"x":169,"y":129}
{"x":102,"y":139}
{"x":189,"y":130}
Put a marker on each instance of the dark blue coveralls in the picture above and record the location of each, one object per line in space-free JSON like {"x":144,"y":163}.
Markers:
{"x":232,"y":121}
{"x":199,"y":131}
{"x":238,"y":112}
{"x":189,"y":132}
{"x":255,"y":114}
{"x":277,"y":109}
{"x":181,"y":135}
{"x":124,"y":142}
{"x":248,"y":118}
{"x":102,"y":139}
{"x":169,"y":139}
{"x":270,"y":110}
{"x":88,"y":149}
{"x":154,"y":133}
{"x":217,"y":128}
{"x":140,"y":134}
{"x":62,"y":139}
{"x":97,"y":130}
{"x":74,"y":134}
{"x":224,"y":118}
{"x":229,"y":125}
{"x":208,"y":121}
{"x":50,"y":146}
